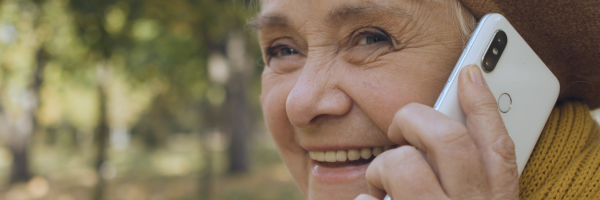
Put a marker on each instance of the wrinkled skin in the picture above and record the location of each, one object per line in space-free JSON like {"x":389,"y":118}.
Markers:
{"x":357,"y":74}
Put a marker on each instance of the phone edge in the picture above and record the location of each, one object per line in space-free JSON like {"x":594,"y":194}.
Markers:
{"x":460,"y":61}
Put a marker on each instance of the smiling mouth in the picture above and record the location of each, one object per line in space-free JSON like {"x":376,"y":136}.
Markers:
{"x":348,"y":157}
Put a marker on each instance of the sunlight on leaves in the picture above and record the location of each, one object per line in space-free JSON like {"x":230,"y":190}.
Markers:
{"x":115,"y":19}
{"x":145,"y":29}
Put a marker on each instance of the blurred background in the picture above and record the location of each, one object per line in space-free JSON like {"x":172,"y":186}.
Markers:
{"x":133,"y":100}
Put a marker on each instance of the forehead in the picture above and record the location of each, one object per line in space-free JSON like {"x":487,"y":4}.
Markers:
{"x":297,"y":13}
{"x":323,"y":6}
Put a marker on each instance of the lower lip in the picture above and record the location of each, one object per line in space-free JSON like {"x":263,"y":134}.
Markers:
{"x":337,"y":174}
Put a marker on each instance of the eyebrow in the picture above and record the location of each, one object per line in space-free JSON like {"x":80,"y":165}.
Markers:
{"x":268,"y":21}
{"x":352,"y":13}
{"x":335,"y":16}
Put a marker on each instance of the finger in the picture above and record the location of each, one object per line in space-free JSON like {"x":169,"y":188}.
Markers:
{"x":449,"y":148}
{"x":404,"y":174}
{"x":379,"y":190}
{"x":487,"y":129}
{"x":365,"y":197}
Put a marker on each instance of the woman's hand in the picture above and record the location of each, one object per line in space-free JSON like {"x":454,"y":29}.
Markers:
{"x":473,"y":162}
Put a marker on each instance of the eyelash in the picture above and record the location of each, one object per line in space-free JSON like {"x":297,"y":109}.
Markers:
{"x":272,"y":51}
{"x":366,"y":33}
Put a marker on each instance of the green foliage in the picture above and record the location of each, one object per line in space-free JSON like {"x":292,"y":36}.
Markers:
{"x":153,"y":54}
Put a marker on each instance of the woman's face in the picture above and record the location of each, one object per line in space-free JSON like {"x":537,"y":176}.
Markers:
{"x":336,"y":73}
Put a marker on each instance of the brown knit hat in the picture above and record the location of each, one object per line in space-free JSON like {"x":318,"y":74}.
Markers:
{"x":564,"y":33}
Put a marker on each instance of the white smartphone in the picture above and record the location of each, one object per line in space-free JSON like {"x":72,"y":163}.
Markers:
{"x":525,"y":89}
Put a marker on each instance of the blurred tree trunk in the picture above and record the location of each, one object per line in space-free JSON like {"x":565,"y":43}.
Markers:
{"x":24,"y":126}
{"x":237,"y":104}
{"x":238,"y":114}
{"x":206,"y":176}
{"x":20,"y":166}
{"x":102,"y":133}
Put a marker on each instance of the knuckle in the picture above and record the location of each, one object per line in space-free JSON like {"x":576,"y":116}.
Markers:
{"x":393,"y":158}
{"x":380,"y":159}
{"x":406,"y":152}
{"x":505,"y":148}
{"x":485,"y":105}
{"x":456,"y":136}
{"x":378,"y":165}
{"x":389,"y":161}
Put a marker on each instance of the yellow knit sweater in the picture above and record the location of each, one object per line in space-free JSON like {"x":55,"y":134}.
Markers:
{"x":565,"y":163}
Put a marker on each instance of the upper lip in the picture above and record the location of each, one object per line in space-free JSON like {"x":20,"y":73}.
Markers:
{"x":338,"y":147}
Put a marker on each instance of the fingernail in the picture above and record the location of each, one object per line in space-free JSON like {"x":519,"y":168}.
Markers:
{"x":475,"y":74}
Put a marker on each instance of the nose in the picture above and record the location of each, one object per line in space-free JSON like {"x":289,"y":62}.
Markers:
{"x":317,"y":94}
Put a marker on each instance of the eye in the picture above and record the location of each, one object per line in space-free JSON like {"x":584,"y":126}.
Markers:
{"x":281,"y":50}
{"x":370,"y":36}
{"x":286,"y":52}
{"x":370,"y":40}
{"x":284,"y":56}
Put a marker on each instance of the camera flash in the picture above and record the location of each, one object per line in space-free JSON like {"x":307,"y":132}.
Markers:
{"x":495,"y":51}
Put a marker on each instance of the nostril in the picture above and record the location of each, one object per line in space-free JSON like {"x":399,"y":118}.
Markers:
{"x":317,"y":118}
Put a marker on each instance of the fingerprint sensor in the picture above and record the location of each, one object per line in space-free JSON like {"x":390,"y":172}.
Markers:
{"x":504,"y":102}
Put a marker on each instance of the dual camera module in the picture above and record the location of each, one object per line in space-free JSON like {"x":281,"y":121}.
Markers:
{"x":492,"y":55}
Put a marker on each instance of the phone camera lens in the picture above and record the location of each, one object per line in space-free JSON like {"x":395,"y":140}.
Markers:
{"x":494,"y":51}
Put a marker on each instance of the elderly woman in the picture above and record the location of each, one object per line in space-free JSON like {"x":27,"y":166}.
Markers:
{"x":348,"y":87}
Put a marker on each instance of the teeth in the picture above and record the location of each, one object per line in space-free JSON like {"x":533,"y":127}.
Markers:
{"x":343,"y":155}
{"x":340,"y":156}
{"x":320,"y":156}
{"x":353,"y":154}
{"x":377,"y":151}
{"x":330,"y":156}
{"x":365,"y":153}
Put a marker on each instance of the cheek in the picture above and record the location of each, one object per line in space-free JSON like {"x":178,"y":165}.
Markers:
{"x":396,"y":81}
{"x":275,"y":89}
